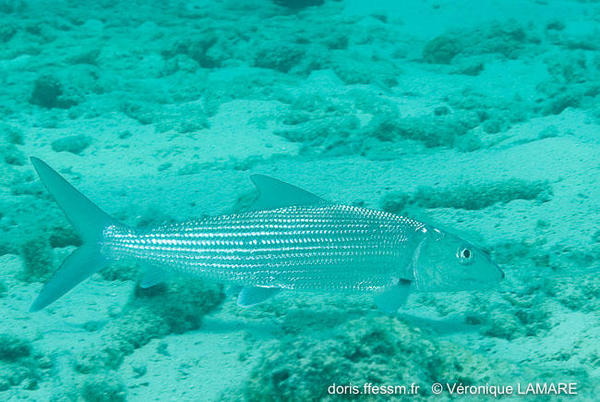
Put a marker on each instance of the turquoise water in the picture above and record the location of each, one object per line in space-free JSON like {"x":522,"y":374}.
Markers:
{"x":483,"y":118}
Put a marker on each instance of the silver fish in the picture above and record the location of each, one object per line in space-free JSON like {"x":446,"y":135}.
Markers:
{"x":290,"y":239}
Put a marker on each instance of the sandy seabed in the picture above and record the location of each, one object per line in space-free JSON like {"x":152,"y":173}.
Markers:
{"x":484,"y":118}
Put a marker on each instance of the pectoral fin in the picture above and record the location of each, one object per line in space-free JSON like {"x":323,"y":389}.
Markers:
{"x":153,"y":276}
{"x":393,"y":297}
{"x":249,"y":296}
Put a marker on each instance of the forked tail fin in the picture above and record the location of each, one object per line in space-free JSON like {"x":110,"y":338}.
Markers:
{"x":89,"y":221}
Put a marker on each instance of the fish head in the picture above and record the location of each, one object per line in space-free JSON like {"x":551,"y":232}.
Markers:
{"x":445,"y":262}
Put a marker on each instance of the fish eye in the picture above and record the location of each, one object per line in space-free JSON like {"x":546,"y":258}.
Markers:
{"x":465,"y":255}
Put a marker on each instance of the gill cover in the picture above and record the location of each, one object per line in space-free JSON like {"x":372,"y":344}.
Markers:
{"x":445,"y":262}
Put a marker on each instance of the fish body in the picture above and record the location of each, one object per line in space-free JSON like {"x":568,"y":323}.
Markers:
{"x":289,"y":239}
{"x":326,"y":247}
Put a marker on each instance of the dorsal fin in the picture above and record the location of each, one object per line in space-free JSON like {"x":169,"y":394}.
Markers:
{"x":274,"y":193}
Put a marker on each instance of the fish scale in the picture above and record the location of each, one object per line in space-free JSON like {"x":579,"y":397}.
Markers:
{"x":298,"y":247}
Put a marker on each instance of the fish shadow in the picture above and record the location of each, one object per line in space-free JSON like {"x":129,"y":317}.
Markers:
{"x":265,"y":327}
{"x":452,"y":324}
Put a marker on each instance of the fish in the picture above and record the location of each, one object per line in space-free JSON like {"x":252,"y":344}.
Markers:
{"x":288,"y":240}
